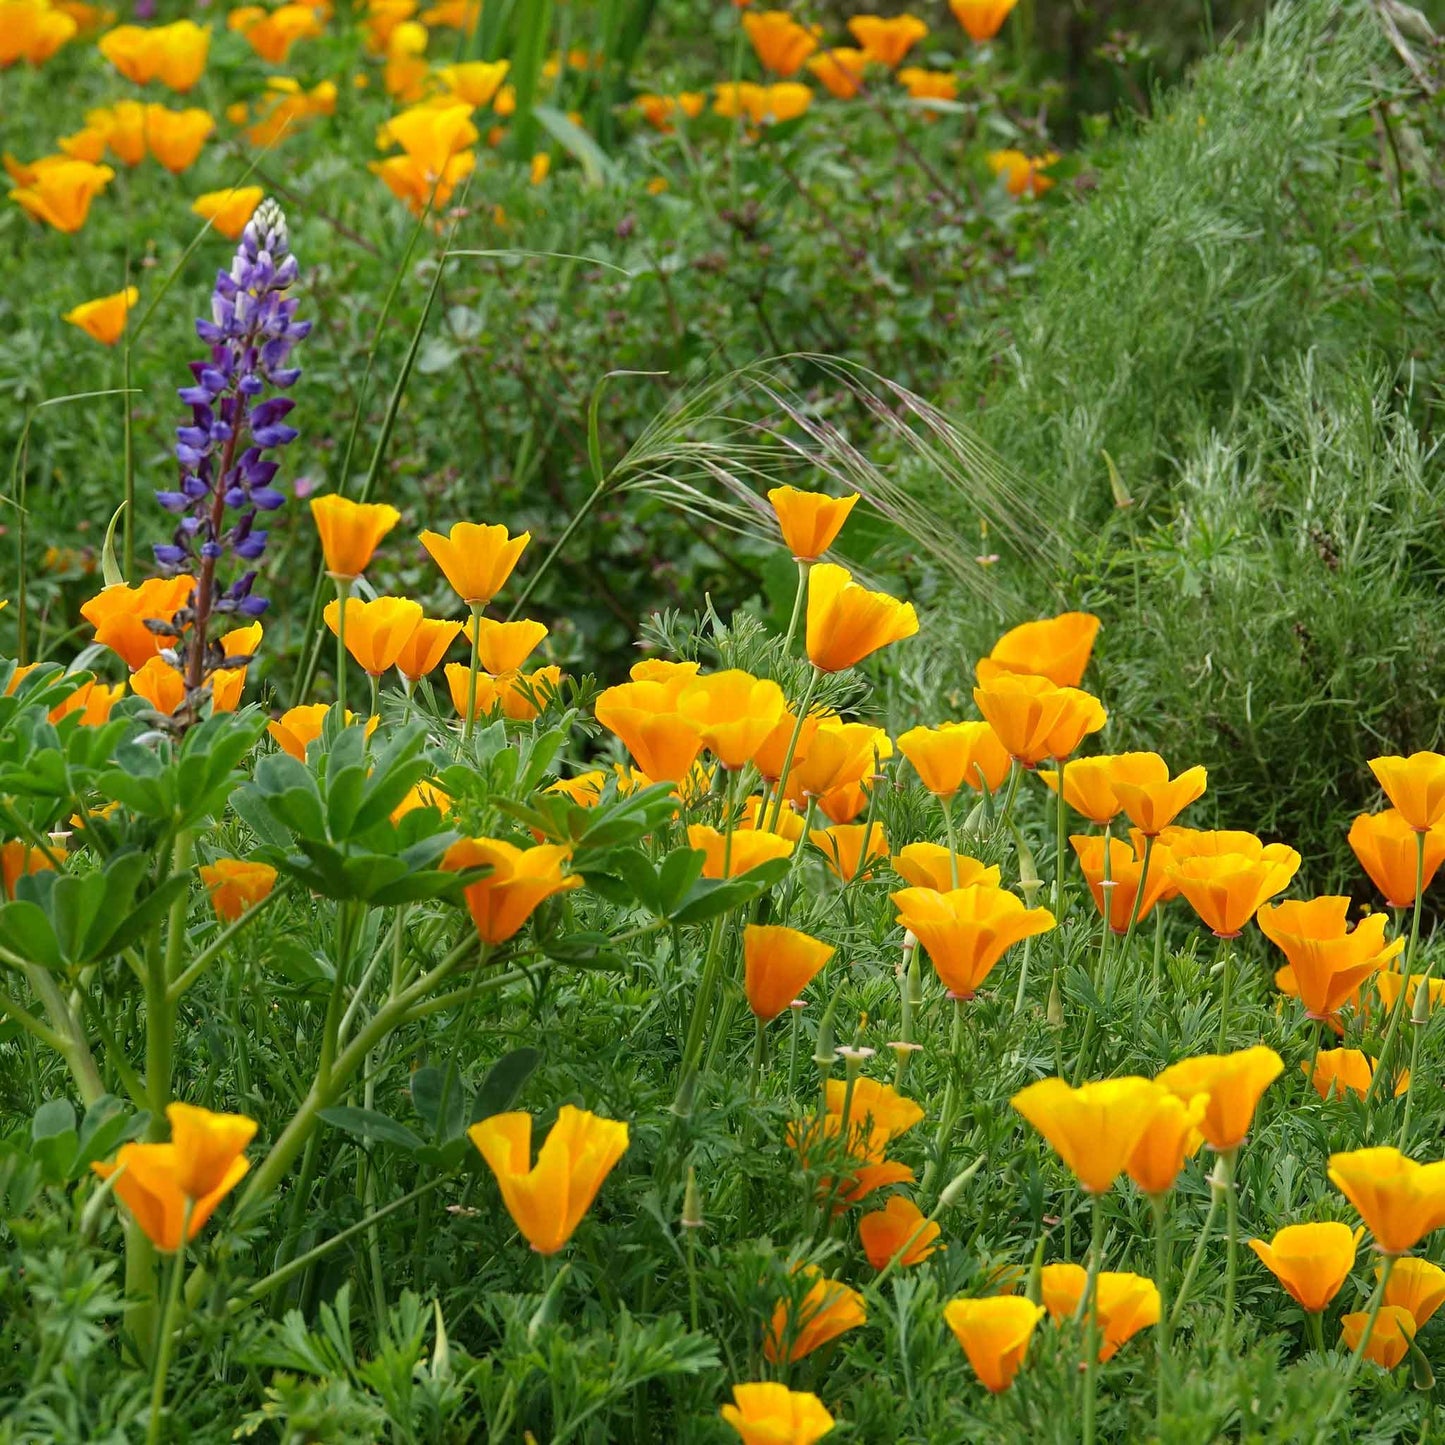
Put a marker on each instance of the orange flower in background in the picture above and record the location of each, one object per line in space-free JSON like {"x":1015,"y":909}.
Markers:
{"x":1389,"y":984}
{"x":768,"y":1414}
{"x":424,"y":649}
{"x":104,"y":318}
{"x":1125,"y":1303}
{"x":285,"y":106}
{"x":295,"y":730}
{"x":423,"y":795}
{"x":877,"y":1115}
{"x":884,"y":1232}
{"x":1417,"y":1286}
{"x":840,"y":71}
{"x":966,"y":930}
{"x":1386,"y":846}
{"x":661,"y":112}
{"x":382,"y":17}
{"x":1399,"y":1200}
{"x":165,"y":689}
{"x":1023,"y":175}
{"x":810,"y":521}
{"x":755,"y":814}
{"x":32,"y":31}
{"x":1390,"y":1336}
{"x":228,"y":211}
{"x":1232,"y":1085}
{"x":196,"y":1170}
{"x":272,"y":33}
{"x":1340,"y":1071}
{"x":840,"y":755}
{"x":798,"y":1327}
{"x":930,"y":865}
{"x":982,"y":19}
{"x":119,"y":615}
{"x":173,"y":54}
{"x":850,"y":847}
{"x":1170,"y":1137}
{"x":763,"y":105}
{"x":350,"y":532}
{"x":780,"y":43}
{"x":1415,"y":785}
{"x":93,"y":701}
{"x":663,"y":743}
{"x":734,"y":713}
{"x":412,"y":185}
{"x":1328,"y":960}
{"x":18,"y":860}
{"x":773,"y":750}
{"x":1311,"y":1261}
{"x":376,"y":631}
{"x":476,"y":560}
{"x":60,"y":194}
{"x":475,"y":82}
{"x":84,"y":145}
{"x":124,"y":127}
{"x":548,"y":1199}
{"x":236,"y":885}
{"x":406,"y":71}
{"x":748,"y":849}
{"x":1149,"y":796}
{"x":175,"y":137}
{"x":778,"y":964}
{"x":431,"y":136}
{"x":1126,"y":868}
{"x":887,"y":40}
{"x":995,"y":1335}
{"x":1095,"y":1128}
{"x":1035,"y":719}
{"x":928,"y":84}
{"x":519,"y":881}
{"x":847,"y":622}
{"x":1088,"y":788}
{"x":954,"y":753}
{"x":1056,"y":648}
{"x":522,"y":695}
{"x":1227,"y":889}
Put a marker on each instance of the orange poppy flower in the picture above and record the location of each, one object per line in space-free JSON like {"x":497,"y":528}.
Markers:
{"x":884,"y":1232}
{"x":1390,"y":1337}
{"x":846,"y":622}
{"x":734,"y":713}
{"x":928,"y":85}
{"x":296,"y":729}
{"x":1328,"y":960}
{"x":1232,"y":1085}
{"x":1095,"y":1128}
{"x":748,"y":849}
{"x":982,"y":19}
{"x":174,"y":54}
{"x":850,"y":847}
{"x":930,"y":865}
{"x":1170,"y":1137}
{"x":350,"y":532}
{"x":32,"y":31}
{"x":967,"y":930}
{"x":954,"y":753}
{"x":995,"y":1335}
{"x":104,"y":319}
{"x":1126,"y":868}
{"x":1415,"y":785}
{"x":519,"y":881}
{"x":376,"y":631}
{"x":504,"y":646}
{"x":887,"y":40}
{"x":60,"y":194}
{"x":769,"y":1414}
{"x":763,"y":105}
{"x":424,"y":649}
{"x":840,"y":71}
{"x":829,"y":1309}
{"x":1023,"y":175}
{"x":1226,"y":890}
{"x":1125,"y":1303}
{"x":810,"y":521}
{"x":272,"y":33}
{"x":1388,"y":984}
{"x":1151,"y":799}
{"x":119,"y":615}
{"x":1088,"y":788}
{"x":1036,"y":719}
{"x":236,"y":884}
{"x":1415,"y":1285}
{"x":1340,"y":1071}
{"x":840,"y":755}
{"x":644,"y":715}
{"x":1311,"y":1261}
{"x":1400,"y":1200}
{"x":773,"y":750}
{"x":476,"y":560}
{"x":18,"y":860}
{"x":1057,"y":648}
{"x":93,"y":701}
{"x":175,"y":137}
{"x":1386,"y":846}
{"x":780,"y":43}
{"x":778,"y":964}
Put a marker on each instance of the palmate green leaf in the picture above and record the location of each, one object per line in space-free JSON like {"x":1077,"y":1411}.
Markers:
{"x":368,"y":1125}
{"x":504,"y":1082}
{"x":439,"y":1096}
{"x":381,"y":879}
{"x":26,"y":932}
{"x":709,"y":897}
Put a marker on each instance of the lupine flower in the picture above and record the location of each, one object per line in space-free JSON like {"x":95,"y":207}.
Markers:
{"x":197,"y":1169}
{"x":174,"y":54}
{"x":548,"y":1199}
{"x":734,"y":713}
{"x":1311,"y":1261}
{"x":778,"y":964}
{"x":18,"y":860}
{"x":1056,"y":648}
{"x":295,"y":730}
{"x":1095,"y":1128}
{"x":1036,"y":719}
{"x":476,"y":82}
{"x":1415,"y":785}
{"x":663,"y":743}
{"x":1390,"y":1336}
{"x":1149,"y":796}
{"x":887,"y":40}
{"x":32,"y":31}
{"x":60,"y":194}
{"x":1226,"y":890}
{"x":175,"y":137}
{"x":1088,"y":788}
{"x":1023,"y":175}
{"x":1126,"y":867}
{"x":476,"y":560}
{"x":236,"y":884}
{"x":504,"y":646}
{"x":995,"y":1335}
{"x":930,"y":865}
{"x":952,"y":754}
{"x":1233,"y":1085}
{"x":520,"y":880}
{"x":748,"y":850}
{"x":1415,"y":1285}
{"x":104,"y":318}
{"x":426,"y":647}
{"x":924,"y":84}
{"x":798,"y":1327}
{"x":1400,"y":1200}
{"x":1328,"y":960}
{"x":376,"y":631}
{"x":967,"y":930}
{"x":763,"y":105}
{"x":1125,"y":1303}
{"x":350,"y":532}
{"x":1170,"y":1137}
{"x":1386,"y":846}
{"x":119,"y":615}
{"x":768,"y":1414}
{"x":780,"y":43}
{"x":810,"y":521}
{"x":885,"y":1231}
{"x":1340,"y":1071}
{"x":849,"y":848}
{"x":982,"y":19}
{"x":272,"y":33}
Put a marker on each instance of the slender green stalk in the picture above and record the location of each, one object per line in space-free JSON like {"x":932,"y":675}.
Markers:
{"x":1227,"y":1162}
{"x":1059,"y":841}
{"x":167,"y":1332}
{"x":1139,"y":895}
{"x":1419,"y":1020}
{"x":1159,"y":1208}
{"x":804,"y":703}
{"x":1376,"y":1300}
{"x":1091,"y":1313}
{"x":1006,"y":812}
{"x":473,"y":667}
{"x":701,"y":1009}
{"x":1022,"y":992}
{"x":1382,"y":1066}
{"x":1184,"y":1285}
{"x":947,"y":805}
{"x":948,"y":1118}
{"x":343,"y":594}
{"x":799,"y":597}
{"x":1155,"y":966}
{"x":1226,"y":955}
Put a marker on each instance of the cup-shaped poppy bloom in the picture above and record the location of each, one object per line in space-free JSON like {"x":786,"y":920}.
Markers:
{"x":1023,"y":175}
{"x":1388,"y":984}
{"x":770,"y":1414}
{"x":504,"y":646}
{"x":272,"y":33}
{"x":1340,"y":1071}
{"x":548,"y":1199}
{"x":840,"y":755}
{"x":298,"y":727}
{"x":1149,"y":796}
{"x":1400,"y":1200}
{"x":734,"y":713}
{"x":584,"y":789}
{"x":1126,"y":868}
{"x":236,"y":884}
{"x":425,"y":648}
{"x":476,"y":560}
{"x":350,"y":532}
{"x":175,"y":54}
{"x":1095,"y":1128}
{"x":520,"y":879}
{"x":847,"y":622}
{"x":781,"y":44}
{"x":103,"y":319}
{"x":1226,"y":891}
{"x":93,"y":701}
{"x":931,"y":865}
{"x":772,"y":752}
{"x":966,"y":930}
{"x":1328,"y":959}
{"x":203,"y":1162}
{"x":18,"y":860}
{"x":1088,"y":788}
{"x":922,"y":84}
{"x":663,"y":743}
{"x":243,"y":643}
{"x":887,"y":39}
{"x":175,"y":137}
{"x":1057,"y":648}
{"x":1233,"y":1085}
{"x":1415,"y":1285}
{"x":884,"y":1232}
{"x":165,"y":689}
{"x":662,"y":112}
{"x":877,"y":1115}
{"x":839,"y":69}
{"x":1387,"y":847}
{"x":431,"y":135}
{"x":1390,"y":1337}
{"x":995,"y":1335}
{"x":410,"y":182}
{"x":60,"y":194}
{"x":763,"y":105}
{"x":849,"y":848}
{"x":1035,"y":718}
{"x":475,"y":82}
{"x":228,"y":211}
{"x":748,"y":849}
{"x":956,"y":753}
{"x":1415,"y":785}
{"x":1311,"y":1261}
{"x":1211,"y":843}
{"x":32,"y":31}
{"x":520,"y":696}
{"x":982,"y":19}
{"x":800,"y":1326}
{"x":1170,"y":1137}
{"x":376,"y":631}
{"x":810,"y":521}
{"x":1125,"y":1303}
{"x":778,"y":964}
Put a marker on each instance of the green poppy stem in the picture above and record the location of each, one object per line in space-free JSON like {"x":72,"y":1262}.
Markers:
{"x":1091,"y":1315}
{"x":1226,"y":958}
{"x":805,"y":566}
{"x":473,"y":667}
{"x":1408,"y":966}
{"x":167,"y":1331}
{"x":1225,"y":1167}
{"x":804,"y":703}
{"x":343,"y":593}
{"x":1159,"y":1207}
{"x":1059,"y":841}
{"x":1193,"y":1269}
{"x":1139,"y":901}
